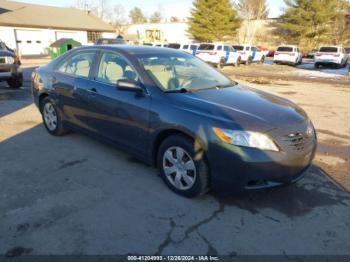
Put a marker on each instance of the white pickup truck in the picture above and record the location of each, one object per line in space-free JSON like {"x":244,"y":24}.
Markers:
{"x":249,"y":54}
{"x":331,"y":55}
{"x":218,"y":54}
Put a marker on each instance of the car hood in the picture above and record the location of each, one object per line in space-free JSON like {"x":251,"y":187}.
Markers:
{"x":245,"y":107}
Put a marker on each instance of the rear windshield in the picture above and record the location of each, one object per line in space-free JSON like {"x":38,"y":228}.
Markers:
{"x":206,"y":47}
{"x":285,"y":49}
{"x":238,"y":47}
{"x":174,"y":46}
{"x":329,"y":49}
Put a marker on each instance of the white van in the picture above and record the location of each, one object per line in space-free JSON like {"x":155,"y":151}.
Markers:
{"x":331,"y":55}
{"x":218,"y":54}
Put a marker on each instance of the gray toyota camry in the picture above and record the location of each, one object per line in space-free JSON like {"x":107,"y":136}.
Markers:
{"x":172,"y":110}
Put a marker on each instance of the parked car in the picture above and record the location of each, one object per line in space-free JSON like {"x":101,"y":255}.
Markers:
{"x":271,"y":53}
{"x":331,"y":55}
{"x":264,"y":50}
{"x":288,"y":54}
{"x":172,"y":110}
{"x":249,"y":54}
{"x":10,"y":70}
{"x":110,"y":41}
{"x":190,"y":48}
{"x":218,"y":54}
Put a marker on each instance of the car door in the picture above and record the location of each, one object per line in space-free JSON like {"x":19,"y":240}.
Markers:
{"x":70,"y":78}
{"x":119,"y":115}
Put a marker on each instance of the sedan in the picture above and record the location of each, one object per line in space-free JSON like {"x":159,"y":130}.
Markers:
{"x":173,"y":111}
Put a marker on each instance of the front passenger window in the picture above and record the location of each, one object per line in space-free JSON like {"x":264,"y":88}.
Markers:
{"x":113,"y":68}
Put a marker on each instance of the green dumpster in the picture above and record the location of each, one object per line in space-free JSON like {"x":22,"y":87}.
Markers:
{"x":61,"y":46}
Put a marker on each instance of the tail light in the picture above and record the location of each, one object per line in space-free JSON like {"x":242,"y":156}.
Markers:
{"x":336,"y":55}
{"x":276,"y":53}
{"x":292,"y":54}
{"x":212,"y":53}
{"x":318,"y":54}
{"x":242,"y":53}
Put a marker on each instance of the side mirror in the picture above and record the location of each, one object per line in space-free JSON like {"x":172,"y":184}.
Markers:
{"x":128,"y":85}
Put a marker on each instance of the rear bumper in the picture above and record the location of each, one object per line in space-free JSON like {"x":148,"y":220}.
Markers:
{"x":238,"y":169}
{"x":285,"y":62}
{"x":8,"y":71}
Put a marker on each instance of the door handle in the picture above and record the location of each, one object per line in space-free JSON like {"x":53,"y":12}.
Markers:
{"x":92,"y":91}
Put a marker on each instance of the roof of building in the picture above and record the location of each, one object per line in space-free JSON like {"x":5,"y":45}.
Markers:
{"x":61,"y":41}
{"x":40,"y":16}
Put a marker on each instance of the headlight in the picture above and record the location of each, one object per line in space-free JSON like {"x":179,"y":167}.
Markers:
{"x":246,"y":138}
{"x":10,"y":60}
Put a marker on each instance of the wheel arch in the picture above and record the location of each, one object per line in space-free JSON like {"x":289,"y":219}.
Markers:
{"x":42,"y":96}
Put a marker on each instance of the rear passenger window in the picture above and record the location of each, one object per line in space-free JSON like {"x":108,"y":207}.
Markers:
{"x":113,"y":68}
{"x":226,"y":48}
{"x":78,"y":65}
{"x":185,"y":47}
{"x":219,"y":47}
{"x":247,"y":48}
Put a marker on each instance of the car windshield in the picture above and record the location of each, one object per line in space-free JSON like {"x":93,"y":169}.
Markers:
{"x":182,"y":72}
{"x":285,"y":49}
{"x":329,"y":49}
{"x":238,"y":47}
{"x":206,"y":47}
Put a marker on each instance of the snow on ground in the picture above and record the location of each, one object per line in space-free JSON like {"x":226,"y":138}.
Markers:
{"x":307,"y":69}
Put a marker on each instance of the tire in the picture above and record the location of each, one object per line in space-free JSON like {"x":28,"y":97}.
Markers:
{"x":196,"y":172}
{"x":238,"y":62}
{"x":262,"y":60}
{"x":51,"y":118}
{"x":317,"y":65}
{"x":249,"y":61}
{"x":221,"y":63}
{"x":15,"y":82}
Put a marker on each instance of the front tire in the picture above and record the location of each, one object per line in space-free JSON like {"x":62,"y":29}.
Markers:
{"x":221,"y":63}
{"x":249,"y":61}
{"x":183,"y":170}
{"x":51,"y":118}
{"x":238,"y":62}
{"x":262,"y":60}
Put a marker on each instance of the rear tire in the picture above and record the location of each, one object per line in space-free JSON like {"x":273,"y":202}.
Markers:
{"x":249,"y":61}
{"x":221,"y":63}
{"x":183,"y":170}
{"x":51,"y":118}
{"x":238,"y":62}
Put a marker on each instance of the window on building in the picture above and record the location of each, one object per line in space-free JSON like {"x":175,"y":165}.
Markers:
{"x":93,"y":36}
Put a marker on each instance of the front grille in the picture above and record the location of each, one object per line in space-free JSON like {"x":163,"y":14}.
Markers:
{"x":297,"y":141}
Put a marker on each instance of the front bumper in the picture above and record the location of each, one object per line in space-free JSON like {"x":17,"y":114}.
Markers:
{"x":237,"y":169}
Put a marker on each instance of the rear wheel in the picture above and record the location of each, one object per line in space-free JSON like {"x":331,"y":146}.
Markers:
{"x":51,"y":118}
{"x":238,"y":61}
{"x":249,"y":61}
{"x":317,"y":65}
{"x":183,"y":170}
{"x":221,"y":63}
{"x":262,"y":60}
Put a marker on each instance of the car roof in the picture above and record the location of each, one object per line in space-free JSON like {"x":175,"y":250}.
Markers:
{"x":132,"y":49}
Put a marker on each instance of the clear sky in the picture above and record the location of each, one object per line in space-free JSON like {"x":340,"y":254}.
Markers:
{"x":179,"y":8}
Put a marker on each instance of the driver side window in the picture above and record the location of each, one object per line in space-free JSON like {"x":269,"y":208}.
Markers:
{"x":113,"y":67}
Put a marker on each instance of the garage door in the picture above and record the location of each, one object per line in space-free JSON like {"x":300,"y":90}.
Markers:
{"x":30,"y":42}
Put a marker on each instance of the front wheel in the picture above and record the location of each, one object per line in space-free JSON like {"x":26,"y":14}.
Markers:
{"x":15,"y":82}
{"x":183,"y":170}
{"x":51,"y":118}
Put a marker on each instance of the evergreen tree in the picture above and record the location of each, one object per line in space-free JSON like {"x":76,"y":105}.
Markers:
{"x":311,"y":22}
{"x":212,"y":20}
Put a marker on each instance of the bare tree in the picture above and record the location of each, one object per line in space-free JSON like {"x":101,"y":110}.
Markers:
{"x":250,"y":11}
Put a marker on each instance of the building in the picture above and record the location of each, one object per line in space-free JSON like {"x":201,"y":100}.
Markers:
{"x":157,"y":32}
{"x":30,"y":29}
